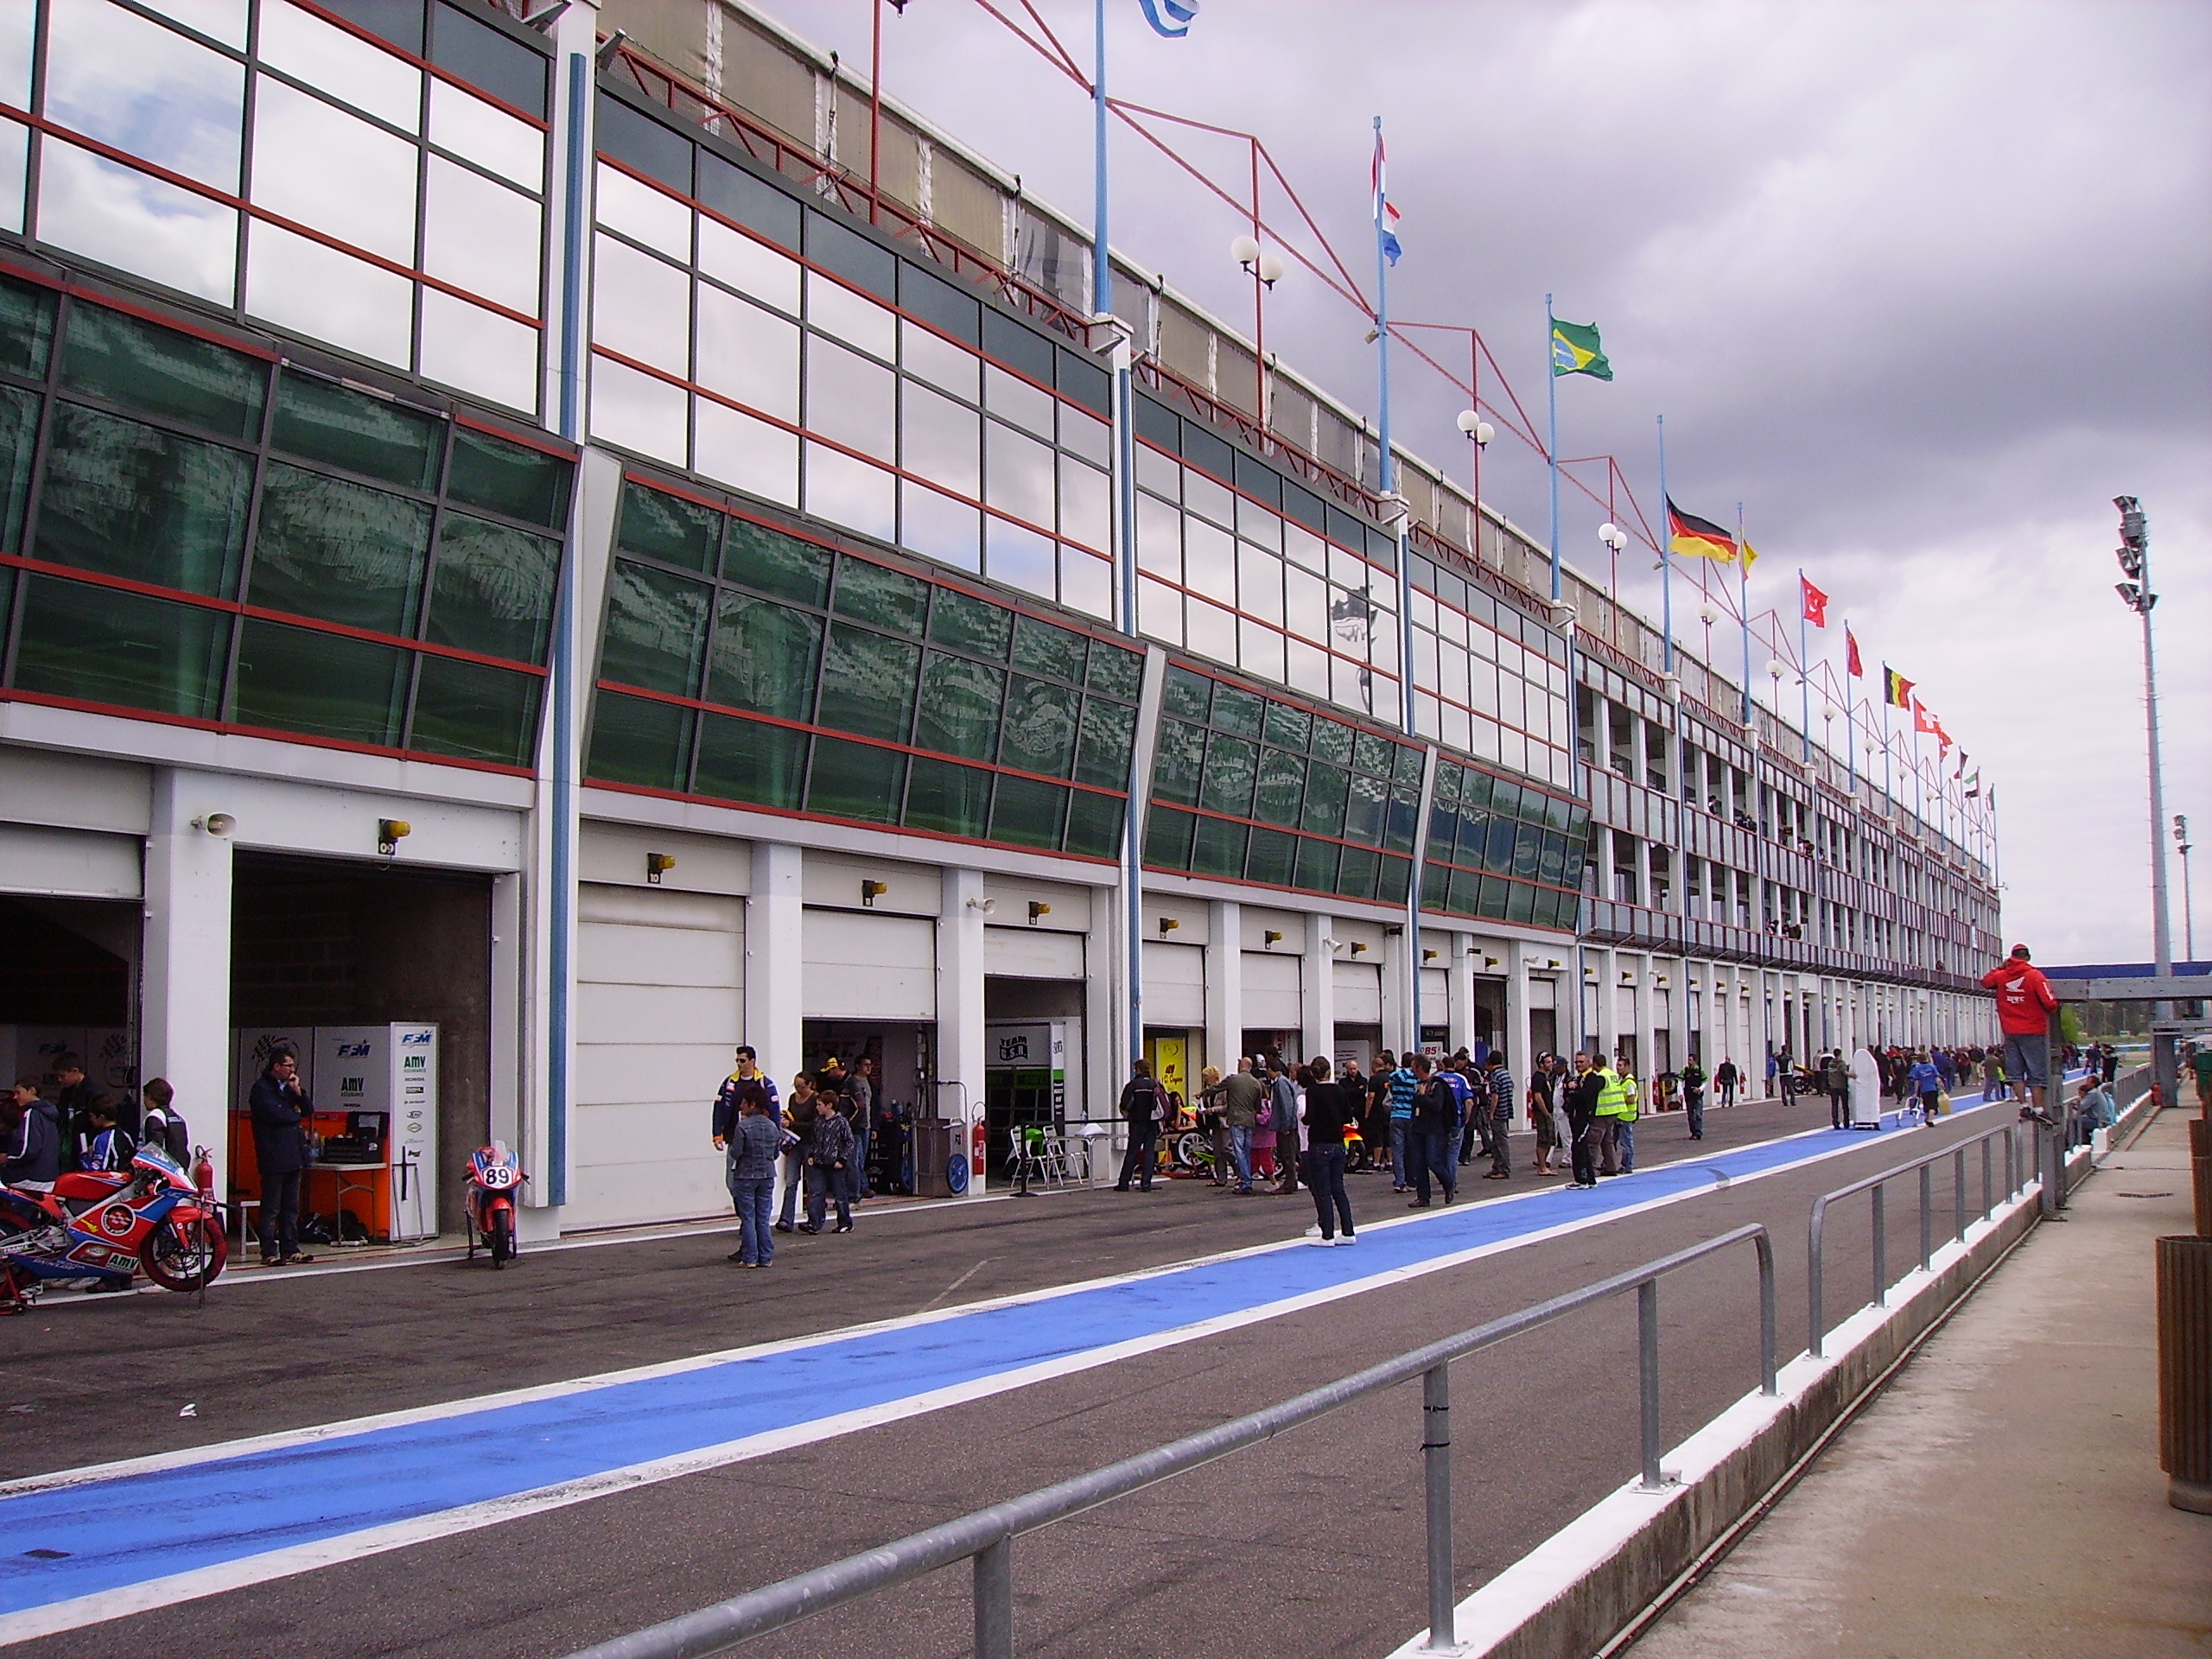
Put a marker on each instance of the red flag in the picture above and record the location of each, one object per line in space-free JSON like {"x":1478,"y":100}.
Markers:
{"x":1815,"y":603}
{"x":1850,"y":655}
{"x":1921,"y":720}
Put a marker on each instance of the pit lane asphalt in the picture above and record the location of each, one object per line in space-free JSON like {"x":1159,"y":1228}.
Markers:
{"x":1311,"y":1544}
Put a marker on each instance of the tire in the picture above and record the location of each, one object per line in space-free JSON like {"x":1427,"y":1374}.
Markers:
{"x":1187,"y":1148}
{"x":184,"y":1255}
{"x":503,"y":1238}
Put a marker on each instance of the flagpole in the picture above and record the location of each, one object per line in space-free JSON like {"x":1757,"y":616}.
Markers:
{"x":1551,"y":385}
{"x":1387,"y":477}
{"x":1804,"y":679}
{"x":1744,"y":614}
{"x":1850,"y":737}
{"x":1889,"y":773}
{"x":1666,"y":556}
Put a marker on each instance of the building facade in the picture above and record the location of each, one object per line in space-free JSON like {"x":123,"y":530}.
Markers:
{"x":523,"y":533}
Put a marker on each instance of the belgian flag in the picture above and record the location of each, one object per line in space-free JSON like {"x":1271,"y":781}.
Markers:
{"x":1697,"y":539}
{"x":1897,"y":691}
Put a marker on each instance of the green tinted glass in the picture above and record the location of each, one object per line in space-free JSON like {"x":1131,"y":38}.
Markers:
{"x":1498,"y":856}
{"x":958,"y":710}
{"x":868,"y":684}
{"x":656,"y":629}
{"x":638,"y":740}
{"x":1363,"y":812}
{"x":143,"y":365}
{"x":1356,"y":873}
{"x":1435,"y":886}
{"x":665,"y":527}
{"x":26,"y":327}
{"x":475,"y":711}
{"x":1492,"y":902}
{"x":18,"y":438}
{"x":1474,"y":788}
{"x":1317,"y":865}
{"x":776,"y":563}
{"x":1375,"y":754}
{"x":341,"y":551}
{"x":509,"y":479}
{"x":129,"y":500}
{"x":1520,"y":902}
{"x":1332,"y":742}
{"x":745,"y":760}
{"x":1447,"y":782}
{"x":1281,"y":795}
{"x":1167,"y":838}
{"x":1226,"y":785}
{"x":970,"y":625}
{"x":1218,"y":848}
{"x":1443,"y":829}
{"x":953,"y":800}
{"x":889,"y":599}
{"x":1272,"y":857}
{"x":1039,"y":731}
{"x":1400,"y":816}
{"x":1466,"y":892}
{"x":855,"y":780}
{"x":1116,"y":672}
{"x":1409,"y":766}
{"x":1288,"y":727}
{"x":1044,"y":649}
{"x":365,"y":435}
{"x":493,"y":590}
{"x":1177,"y":761}
{"x":1094,"y":824}
{"x":1237,"y":711}
{"x":1103,"y":753}
{"x":324,"y":684}
{"x":1527,"y":851}
{"x":1324,"y":799}
{"x":1391,"y":884}
{"x":105,"y":646}
{"x":763,"y":657}
{"x":1187,"y":695}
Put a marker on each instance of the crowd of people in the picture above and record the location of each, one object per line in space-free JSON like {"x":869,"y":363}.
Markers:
{"x":833,"y":1145}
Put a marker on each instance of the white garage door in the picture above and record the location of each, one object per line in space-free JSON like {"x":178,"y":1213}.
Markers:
{"x":1359,"y":993}
{"x":660,"y":1003}
{"x":1271,"y":991}
{"x":1174,"y":984}
{"x":863,"y":966}
{"x":1032,"y":953}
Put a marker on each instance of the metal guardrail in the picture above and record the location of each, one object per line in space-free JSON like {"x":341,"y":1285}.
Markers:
{"x":986,"y":1536}
{"x":2015,"y":1181}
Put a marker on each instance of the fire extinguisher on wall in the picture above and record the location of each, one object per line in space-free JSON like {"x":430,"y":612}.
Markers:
{"x":976,"y":1145}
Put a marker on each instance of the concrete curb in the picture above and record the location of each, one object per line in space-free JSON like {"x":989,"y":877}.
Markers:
{"x":1585,"y":1584}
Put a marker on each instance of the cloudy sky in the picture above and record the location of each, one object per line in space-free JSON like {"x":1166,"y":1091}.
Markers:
{"x":1922,"y":285}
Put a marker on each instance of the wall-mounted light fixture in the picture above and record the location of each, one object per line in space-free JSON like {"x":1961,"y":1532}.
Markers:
{"x":1168,"y":925}
{"x":1271,"y":939}
{"x":872,"y":891}
{"x":984,"y":906}
{"x":1551,"y":962}
{"x":1358,"y":947}
{"x":218,"y":824}
{"x":1036,"y":908}
{"x":1333,"y":945}
{"x":390,"y":833}
{"x":1491,"y":962}
{"x":1428,"y":956}
{"x":658,"y":865}
{"x":1393,"y":929}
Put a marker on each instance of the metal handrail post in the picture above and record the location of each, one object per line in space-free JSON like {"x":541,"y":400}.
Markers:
{"x":1647,"y":1367}
{"x":1987,"y":1175}
{"x":1881,"y":1250}
{"x":1816,"y":1257}
{"x":1927,"y":1215}
{"x":1959,"y":1195}
{"x":1770,"y":1340}
{"x":1436,"y":1462}
{"x":994,"y":1600}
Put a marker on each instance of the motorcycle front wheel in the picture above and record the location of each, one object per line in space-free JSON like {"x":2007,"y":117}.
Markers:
{"x":184,"y":1255}
{"x":503,"y":1238}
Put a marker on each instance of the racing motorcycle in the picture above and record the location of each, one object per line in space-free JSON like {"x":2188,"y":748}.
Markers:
{"x":105,"y":1226}
{"x":489,"y":1213}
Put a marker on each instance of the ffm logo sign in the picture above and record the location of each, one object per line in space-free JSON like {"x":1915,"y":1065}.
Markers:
{"x":353,"y":1050}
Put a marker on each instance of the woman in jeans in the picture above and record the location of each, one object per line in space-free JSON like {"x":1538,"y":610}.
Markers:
{"x":1328,"y":1109}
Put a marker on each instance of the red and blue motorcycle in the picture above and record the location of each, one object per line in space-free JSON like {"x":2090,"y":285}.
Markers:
{"x":106,"y":1226}
{"x":489,"y":1212}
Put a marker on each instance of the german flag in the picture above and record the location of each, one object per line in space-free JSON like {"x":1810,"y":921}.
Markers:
{"x":1697,"y":539}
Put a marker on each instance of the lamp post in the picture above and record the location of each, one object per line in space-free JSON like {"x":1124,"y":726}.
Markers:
{"x":2134,"y":556}
{"x":1615,"y":538}
{"x":1266,"y":271}
{"x":1479,"y":432}
{"x":2188,"y":903}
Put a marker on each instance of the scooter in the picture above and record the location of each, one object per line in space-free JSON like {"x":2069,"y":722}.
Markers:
{"x":489,"y":1213}
{"x":105,"y":1226}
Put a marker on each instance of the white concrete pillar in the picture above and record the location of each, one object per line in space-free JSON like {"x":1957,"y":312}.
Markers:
{"x":1317,"y":988}
{"x":960,"y":1052}
{"x":186,"y":1000}
{"x":1459,"y":957}
{"x":775,"y":959}
{"x":1224,"y":984}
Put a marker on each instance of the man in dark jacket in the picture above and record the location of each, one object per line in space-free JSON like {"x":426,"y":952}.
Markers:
{"x":280,"y":1109}
{"x":1435,"y":1131}
{"x":31,"y":1151}
{"x":755,"y":1140}
{"x":829,"y":1165}
{"x":1143,"y":1105}
{"x":79,"y":1094}
{"x":1581,"y":1093}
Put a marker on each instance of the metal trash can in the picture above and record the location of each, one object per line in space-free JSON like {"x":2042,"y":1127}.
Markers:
{"x":2186,"y":1371}
{"x":934,"y":1143}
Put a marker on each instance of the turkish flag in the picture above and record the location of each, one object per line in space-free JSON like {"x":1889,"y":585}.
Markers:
{"x":1815,"y":603}
{"x":1850,"y":655}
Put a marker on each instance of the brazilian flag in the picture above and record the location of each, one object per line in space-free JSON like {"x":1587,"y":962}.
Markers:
{"x":1576,"y":350}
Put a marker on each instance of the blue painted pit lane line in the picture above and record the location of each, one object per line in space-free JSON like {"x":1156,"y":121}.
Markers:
{"x":160,"y":1529}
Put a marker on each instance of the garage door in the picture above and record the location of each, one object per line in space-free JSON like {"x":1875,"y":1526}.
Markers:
{"x":863,"y":966}
{"x":1271,"y":991}
{"x":1174,"y":984}
{"x":660,"y":1003}
{"x":1359,"y":993}
{"x":1032,"y":953}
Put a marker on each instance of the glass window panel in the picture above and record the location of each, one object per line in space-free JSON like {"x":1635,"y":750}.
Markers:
{"x":1094,"y":824}
{"x":1212,"y":630}
{"x":971,"y":625}
{"x":128,"y":501}
{"x":502,"y":66}
{"x":300,"y":284}
{"x":1373,"y":754}
{"x":889,"y":599}
{"x":638,"y":740}
{"x":867,"y":683}
{"x":1259,"y":583}
{"x":1159,"y":538}
{"x":115,"y":76}
{"x":135,"y":222}
{"x":1043,"y":648}
{"x":743,"y":199}
{"x":851,"y":400}
{"x":1086,"y":584}
{"x":18,"y":437}
{"x":475,"y":131}
{"x":1210,"y":500}
{"x":1392,"y":881}
{"x":26,"y":327}
{"x":1018,"y":476}
{"x":1364,"y":811}
{"x":478,"y":350}
{"x":1086,"y":505}
{"x":1435,"y":888}
{"x":17,"y":26}
{"x":746,"y":353}
{"x":944,"y":365}
{"x":767,"y":559}
{"x":1237,"y":711}
{"x":1305,"y":605}
{"x":1332,"y":741}
{"x":1498,"y":856}
{"x":140,"y":365}
{"x":1317,"y":865}
{"x":1401,"y":816}
{"x":1178,"y":758}
{"x":475,"y":711}
{"x":656,"y":634}
{"x":641,"y":306}
{"x":1218,"y":848}
{"x":1260,"y":650}
{"x":837,"y":247}
{"x":492,"y":590}
{"x":939,"y":303}
{"x":1020,"y":557}
{"x":1226,"y":783}
{"x":1016,"y":343}
{"x":1081,"y":435}
{"x":634,"y":410}
{"x":952,"y":800}
{"x":1290,"y":728}
{"x":1040,"y":726}
{"x":669,"y":528}
{"x":325,"y":684}
{"x":959,"y":708}
{"x":851,"y":492}
{"x":1282,"y":794}
{"x":1167,"y":838}
{"x":1256,"y":523}
{"x":1029,"y":812}
{"x":855,"y":780}
{"x":941,"y":441}
{"x":1116,"y":672}
{"x":1160,"y":611}
{"x":1187,"y":695}
{"x":509,"y":478}
{"x":1012,"y":398}
{"x":859,"y":321}
{"x":333,"y":172}
{"x":940,"y":528}
{"x":1209,"y":561}
{"x":1272,"y":857}
{"x":763,"y":657}
{"x":97,"y":644}
{"x":1308,"y":668}
{"x":1325,"y":786}
{"x":745,"y":760}
{"x":480,"y":236}
{"x":1109,"y":735}
{"x":641,"y":212}
{"x":339,"y":551}
{"x":1156,"y":472}
{"x":751,"y":267}
{"x":327,"y":57}
{"x":1466,"y":893}
{"x":755,"y":456}
{"x":1356,"y":873}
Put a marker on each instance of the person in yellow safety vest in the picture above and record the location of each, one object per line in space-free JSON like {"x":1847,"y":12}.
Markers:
{"x":1625,"y":1133}
{"x":1614,"y":1103}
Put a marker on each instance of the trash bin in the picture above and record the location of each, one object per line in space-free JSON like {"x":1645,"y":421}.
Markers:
{"x":935,"y":1139}
{"x":2186,"y":1371}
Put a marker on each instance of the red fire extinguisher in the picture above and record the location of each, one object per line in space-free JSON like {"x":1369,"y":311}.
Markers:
{"x":976,"y":1146}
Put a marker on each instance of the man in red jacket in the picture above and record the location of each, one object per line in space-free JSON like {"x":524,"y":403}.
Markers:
{"x":2024,"y":1005}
